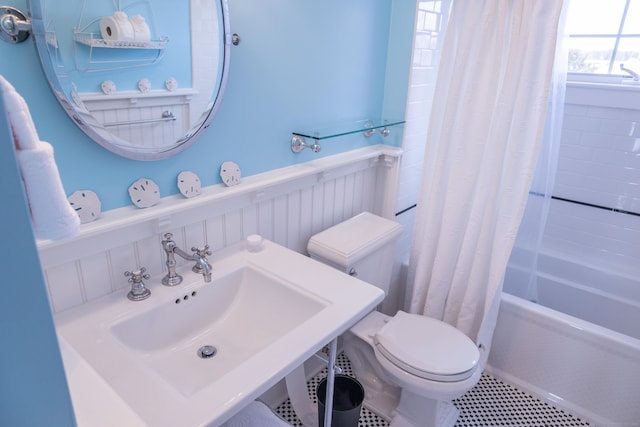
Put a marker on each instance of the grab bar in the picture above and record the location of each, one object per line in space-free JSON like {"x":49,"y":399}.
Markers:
{"x":167,"y":116}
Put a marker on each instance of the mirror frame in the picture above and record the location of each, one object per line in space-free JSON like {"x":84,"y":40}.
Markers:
{"x":95,"y":130}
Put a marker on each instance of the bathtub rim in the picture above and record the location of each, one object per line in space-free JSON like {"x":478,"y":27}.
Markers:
{"x":548,"y":261}
{"x":616,"y":343}
{"x":573,"y":322}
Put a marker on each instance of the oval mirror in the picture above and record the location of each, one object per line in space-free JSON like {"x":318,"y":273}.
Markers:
{"x":142,"y":78}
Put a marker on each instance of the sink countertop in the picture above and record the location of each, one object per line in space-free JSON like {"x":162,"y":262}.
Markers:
{"x":111,"y":393}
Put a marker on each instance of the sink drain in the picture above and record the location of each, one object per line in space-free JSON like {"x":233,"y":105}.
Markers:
{"x":207,"y":351}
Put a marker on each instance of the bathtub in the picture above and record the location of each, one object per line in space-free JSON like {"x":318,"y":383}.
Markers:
{"x":576,"y":361}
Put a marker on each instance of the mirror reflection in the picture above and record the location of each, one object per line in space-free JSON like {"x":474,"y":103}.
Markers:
{"x":142,"y":78}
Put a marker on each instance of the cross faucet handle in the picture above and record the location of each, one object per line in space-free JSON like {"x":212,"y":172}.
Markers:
{"x":136,"y":276}
{"x":138,"y":290}
{"x":201,"y":251}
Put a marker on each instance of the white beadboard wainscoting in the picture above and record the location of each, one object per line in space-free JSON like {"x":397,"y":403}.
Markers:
{"x":286,"y":205}
{"x":128,"y":113}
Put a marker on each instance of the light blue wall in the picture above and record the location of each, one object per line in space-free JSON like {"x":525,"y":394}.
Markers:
{"x":301,"y":64}
{"x":400,"y":48}
{"x":33,"y":387}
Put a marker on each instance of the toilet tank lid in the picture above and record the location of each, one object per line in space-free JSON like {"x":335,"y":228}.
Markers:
{"x":353,"y":239}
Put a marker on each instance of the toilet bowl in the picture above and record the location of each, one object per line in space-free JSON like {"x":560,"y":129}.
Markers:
{"x":411,"y":366}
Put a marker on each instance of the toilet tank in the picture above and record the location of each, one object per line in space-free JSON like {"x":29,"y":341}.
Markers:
{"x":363,"y":246}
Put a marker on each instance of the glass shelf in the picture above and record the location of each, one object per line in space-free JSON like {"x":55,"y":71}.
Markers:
{"x":368,"y":126}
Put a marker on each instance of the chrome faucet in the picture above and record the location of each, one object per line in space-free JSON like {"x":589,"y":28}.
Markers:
{"x":199,"y":255}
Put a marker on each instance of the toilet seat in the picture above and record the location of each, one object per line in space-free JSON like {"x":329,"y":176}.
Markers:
{"x":427,"y":348}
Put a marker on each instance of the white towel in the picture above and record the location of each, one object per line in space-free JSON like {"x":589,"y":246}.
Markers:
{"x":256,"y":414}
{"x":51,"y":213}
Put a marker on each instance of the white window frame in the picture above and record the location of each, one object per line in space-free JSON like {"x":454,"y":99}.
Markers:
{"x":611,"y":77}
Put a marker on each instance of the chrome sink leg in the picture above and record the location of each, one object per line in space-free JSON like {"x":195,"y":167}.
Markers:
{"x":331,"y":373}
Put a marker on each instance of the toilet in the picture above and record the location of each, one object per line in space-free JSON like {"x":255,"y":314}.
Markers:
{"x":411,"y":366}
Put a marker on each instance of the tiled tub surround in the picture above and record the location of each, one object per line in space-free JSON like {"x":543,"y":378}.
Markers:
{"x":286,"y":206}
{"x":599,"y":163}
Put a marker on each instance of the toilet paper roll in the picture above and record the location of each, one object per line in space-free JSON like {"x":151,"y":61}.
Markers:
{"x":116,"y":27}
{"x":141,"y":31}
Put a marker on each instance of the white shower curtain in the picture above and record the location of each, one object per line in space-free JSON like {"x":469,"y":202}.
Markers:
{"x":485,"y":129}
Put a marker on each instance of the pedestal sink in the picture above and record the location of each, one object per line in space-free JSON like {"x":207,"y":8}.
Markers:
{"x":196,"y":354}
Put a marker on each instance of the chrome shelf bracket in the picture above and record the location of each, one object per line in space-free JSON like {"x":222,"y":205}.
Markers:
{"x":15,"y":26}
{"x":298,"y":143}
{"x":384,"y":131}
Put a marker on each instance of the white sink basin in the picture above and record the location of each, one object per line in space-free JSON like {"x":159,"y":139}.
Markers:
{"x":263,"y":314}
{"x":236,"y":316}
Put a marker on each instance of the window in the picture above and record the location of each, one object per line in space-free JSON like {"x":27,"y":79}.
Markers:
{"x":430,"y":22}
{"x":603,"y":35}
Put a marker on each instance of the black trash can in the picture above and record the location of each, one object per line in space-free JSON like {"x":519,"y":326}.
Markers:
{"x":348,"y":396}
